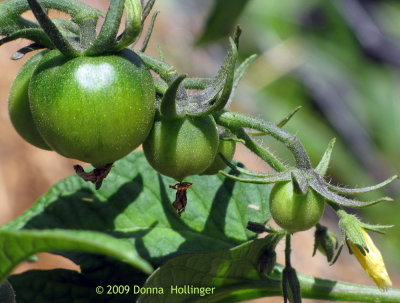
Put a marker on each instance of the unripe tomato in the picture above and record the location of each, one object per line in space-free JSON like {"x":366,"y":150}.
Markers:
{"x":18,"y":104}
{"x":94,"y":109}
{"x":227,"y":149}
{"x":295,"y":212}
{"x":181,"y":147}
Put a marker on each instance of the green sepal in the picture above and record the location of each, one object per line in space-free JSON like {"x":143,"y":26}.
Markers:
{"x":107,"y":38}
{"x":51,"y":30}
{"x":268,"y":179}
{"x":19,"y":54}
{"x":68,"y":29}
{"x":267,"y":261}
{"x":325,"y":241}
{"x":290,"y":285}
{"x":11,"y":11}
{"x":286,"y":119}
{"x":216,"y":95}
{"x":267,"y":257}
{"x":355,"y":191}
{"x":168,"y":103}
{"x":147,"y":8}
{"x":133,"y":24}
{"x":322,"y":187}
{"x":300,"y":183}
{"x":33,"y":34}
{"x":149,"y":31}
{"x":350,"y":229}
{"x":323,"y":164}
{"x":239,"y":73}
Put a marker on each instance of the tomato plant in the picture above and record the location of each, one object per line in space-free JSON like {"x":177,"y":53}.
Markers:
{"x":94,"y":98}
{"x":94,"y":109}
{"x":181,"y":147}
{"x":295,"y":211}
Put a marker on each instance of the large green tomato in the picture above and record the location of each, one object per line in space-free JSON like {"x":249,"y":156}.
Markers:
{"x":295,"y":212}
{"x":227,"y":149}
{"x":94,"y":109}
{"x":18,"y":104}
{"x":181,"y":147}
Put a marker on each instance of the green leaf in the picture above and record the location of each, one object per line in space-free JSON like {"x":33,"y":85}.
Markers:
{"x":221,"y":20}
{"x":18,"y":245}
{"x":216,"y":272}
{"x":134,"y":208}
{"x":61,"y":285}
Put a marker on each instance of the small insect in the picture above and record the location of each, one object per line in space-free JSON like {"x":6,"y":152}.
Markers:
{"x":181,"y":198}
{"x":96,"y":176}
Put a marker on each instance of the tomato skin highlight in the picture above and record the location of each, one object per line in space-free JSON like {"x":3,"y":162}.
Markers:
{"x":181,"y":147}
{"x":18,"y":104}
{"x":94,"y":109}
{"x":227,"y":149}
{"x":295,"y":212}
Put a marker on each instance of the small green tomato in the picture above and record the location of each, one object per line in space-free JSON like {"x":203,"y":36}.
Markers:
{"x":227,"y":149}
{"x":18,"y":104}
{"x":181,"y":147}
{"x":295,"y":212}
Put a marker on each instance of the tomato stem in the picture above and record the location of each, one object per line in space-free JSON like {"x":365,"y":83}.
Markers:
{"x":168,"y":103}
{"x":252,"y":145}
{"x":236,"y":121}
{"x":288,"y":250}
{"x":149,"y":31}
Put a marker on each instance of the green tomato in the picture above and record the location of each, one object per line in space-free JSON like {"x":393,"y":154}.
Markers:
{"x":18,"y":104}
{"x":181,"y":147}
{"x":94,"y":109}
{"x":227,"y":149}
{"x":295,"y":212}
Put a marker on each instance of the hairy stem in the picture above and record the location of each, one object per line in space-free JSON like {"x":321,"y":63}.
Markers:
{"x":311,"y":288}
{"x":256,"y":148}
{"x":235,"y":121}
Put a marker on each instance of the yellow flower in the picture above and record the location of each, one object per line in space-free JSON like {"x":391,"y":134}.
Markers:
{"x":372,"y":262}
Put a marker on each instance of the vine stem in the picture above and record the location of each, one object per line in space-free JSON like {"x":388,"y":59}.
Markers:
{"x":311,"y":288}
{"x":237,"y":121}
{"x":260,"y":151}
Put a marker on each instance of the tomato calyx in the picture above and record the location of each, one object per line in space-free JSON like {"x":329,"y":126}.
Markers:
{"x":177,"y":102}
{"x":181,"y":197}
{"x":75,"y":37}
{"x":96,"y":176}
{"x":304,"y":179}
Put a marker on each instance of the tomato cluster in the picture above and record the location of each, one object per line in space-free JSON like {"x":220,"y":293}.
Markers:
{"x":98,"y":109}
{"x":94,"y":109}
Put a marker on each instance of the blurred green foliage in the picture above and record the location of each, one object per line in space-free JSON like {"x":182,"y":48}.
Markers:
{"x":339,"y":60}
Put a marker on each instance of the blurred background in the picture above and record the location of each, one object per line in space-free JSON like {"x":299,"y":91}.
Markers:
{"x":338,"y":59}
